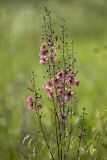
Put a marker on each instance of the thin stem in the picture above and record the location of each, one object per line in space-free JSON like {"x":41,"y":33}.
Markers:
{"x":70,"y":134}
{"x":39,"y":116}
{"x":63,"y":55}
{"x":44,"y":135}
{"x":55,"y":111}
{"x":73,"y":58}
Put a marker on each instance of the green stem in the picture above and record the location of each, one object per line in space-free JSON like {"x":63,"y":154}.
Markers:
{"x":55,"y":111}
{"x":63,"y":54}
{"x":44,"y":135}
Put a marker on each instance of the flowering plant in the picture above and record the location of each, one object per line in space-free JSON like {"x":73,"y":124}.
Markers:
{"x":59,"y":60}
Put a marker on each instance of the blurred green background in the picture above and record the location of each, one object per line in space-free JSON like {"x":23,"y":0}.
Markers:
{"x":20,"y":38}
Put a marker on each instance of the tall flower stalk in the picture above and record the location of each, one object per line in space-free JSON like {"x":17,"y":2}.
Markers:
{"x":59,"y":60}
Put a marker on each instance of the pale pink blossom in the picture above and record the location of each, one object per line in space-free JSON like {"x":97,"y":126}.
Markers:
{"x":57,"y":80}
{"x":61,"y":75}
{"x":48,"y":88}
{"x":43,"y":54}
{"x":30,"y":103}
{"x":43,"y":60}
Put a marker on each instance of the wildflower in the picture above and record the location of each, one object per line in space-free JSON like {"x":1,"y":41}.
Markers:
{"x":57,"y":80}
{"x":69,"y":94}
{"x":72,"y":79}
{"x":61,"y":75}
{"x":43,"y":60}
{"x":43,"y":54}
{"x":30,"y":103}
{"x":48,"y":88}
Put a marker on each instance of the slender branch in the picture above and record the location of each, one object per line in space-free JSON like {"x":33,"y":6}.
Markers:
{"x":73,"y":58}
{"x":63,"y":55}
{"x":39,"y":116}
{"x":44,"y":135}
{"x":70,"y":134}
{"x":55,"y":111}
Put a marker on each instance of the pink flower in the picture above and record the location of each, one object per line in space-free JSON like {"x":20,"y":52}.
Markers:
{"x":48,"y":88}
{"x":43,"y":54}
{"x":43,"y":60}
{"x":60,"y":75}
{"x":57,"y":80}
{"x":69,"y":94}
{"x":72,"y":79}
{"x":30,"y":103}
{"x":77,"y":82}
